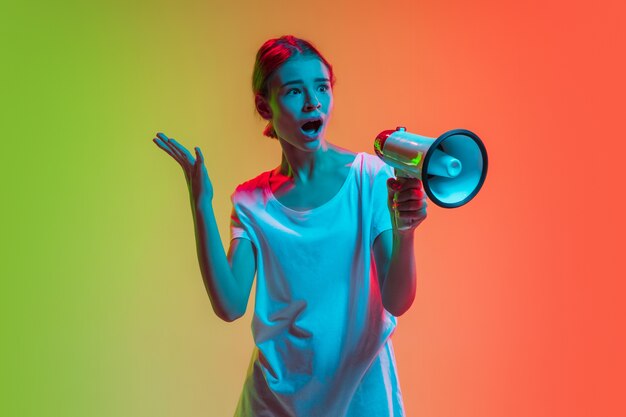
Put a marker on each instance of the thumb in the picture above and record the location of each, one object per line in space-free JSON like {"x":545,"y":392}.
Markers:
{"x":392,"y":187}
{"x":199,"y":156}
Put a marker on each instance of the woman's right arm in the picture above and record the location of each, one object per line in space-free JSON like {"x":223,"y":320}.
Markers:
{"x":228,"y":280}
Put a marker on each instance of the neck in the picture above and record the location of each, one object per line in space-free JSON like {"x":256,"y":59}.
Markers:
{"x":302,"y":166}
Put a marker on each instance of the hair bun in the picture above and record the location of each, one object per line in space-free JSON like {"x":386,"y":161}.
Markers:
{"x":269,"y":131}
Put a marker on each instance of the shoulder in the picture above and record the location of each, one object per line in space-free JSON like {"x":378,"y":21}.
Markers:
{"x":252,"y":188}
{"x":363,"y":161}
{"x":372,"y":166}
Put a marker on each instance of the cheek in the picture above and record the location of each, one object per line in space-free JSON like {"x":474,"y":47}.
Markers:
{"x":282,"y":121}
{"x":278,"y":115}
{"x":330,"y":103}
{"x":283,"y":114}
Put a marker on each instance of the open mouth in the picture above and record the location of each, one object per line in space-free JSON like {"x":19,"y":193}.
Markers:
{"x":312,"y":126}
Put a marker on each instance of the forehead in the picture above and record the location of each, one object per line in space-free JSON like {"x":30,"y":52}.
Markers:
{"x":299,"y":68}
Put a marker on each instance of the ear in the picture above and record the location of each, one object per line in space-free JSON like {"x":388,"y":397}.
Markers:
{"x":263,"y":107}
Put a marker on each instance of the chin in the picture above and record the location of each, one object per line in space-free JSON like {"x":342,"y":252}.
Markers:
{"x":312,"y":145}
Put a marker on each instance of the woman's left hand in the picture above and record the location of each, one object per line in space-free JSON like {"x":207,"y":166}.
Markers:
{"x":407,"y":203}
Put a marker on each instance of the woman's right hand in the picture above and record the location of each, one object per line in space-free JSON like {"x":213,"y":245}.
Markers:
{"x":195,"y":171}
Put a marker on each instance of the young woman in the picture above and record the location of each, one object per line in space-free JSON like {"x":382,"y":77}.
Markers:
{"x":329,"y":234}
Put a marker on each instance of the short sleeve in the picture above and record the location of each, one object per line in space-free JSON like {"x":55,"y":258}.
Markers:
{"x":381,"y":219}
{"x":237,"y":229}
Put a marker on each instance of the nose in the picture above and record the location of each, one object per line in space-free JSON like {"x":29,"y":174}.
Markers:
{"x":312,"y":103}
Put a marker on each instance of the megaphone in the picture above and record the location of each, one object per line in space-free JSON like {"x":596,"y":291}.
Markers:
{"x":452,"y":167}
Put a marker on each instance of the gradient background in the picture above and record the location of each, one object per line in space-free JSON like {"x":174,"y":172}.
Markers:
{"x":520,"y":304}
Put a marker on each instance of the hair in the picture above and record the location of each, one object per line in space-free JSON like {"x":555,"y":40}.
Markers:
{"x":274,"y":53}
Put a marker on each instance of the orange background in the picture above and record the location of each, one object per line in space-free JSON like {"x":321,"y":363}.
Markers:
{"x":520,"y":302}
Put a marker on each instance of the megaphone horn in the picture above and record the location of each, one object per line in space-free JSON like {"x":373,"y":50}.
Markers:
{"x":452,"y":167}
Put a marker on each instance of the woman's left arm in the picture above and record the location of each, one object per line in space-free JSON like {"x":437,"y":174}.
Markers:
{"x":394,"y":249}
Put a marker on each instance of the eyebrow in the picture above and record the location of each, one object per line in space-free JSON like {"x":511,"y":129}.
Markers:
{"x":301,"y":82}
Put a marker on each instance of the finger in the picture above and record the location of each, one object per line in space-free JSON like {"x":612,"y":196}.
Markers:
{"x":163,"y":145}
{"x":183,"y":156}
{"x":182,"y":151}
{"x":174,"y":152}
{"x":167,"y":147}
{"x":391,"y":189}
{"x":162,"y":136}
{"x":411,"y":205}
{"x":408,"y":183}
{"x":393,"y":184}
{"x":199,"y":164}
{"x":174,"y":146}
{"x":410,"y":194}
{"x":199,"y":156}
{"x":412,"y":215}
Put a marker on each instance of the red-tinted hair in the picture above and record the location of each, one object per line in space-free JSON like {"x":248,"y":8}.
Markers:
{"x":274,"y":53}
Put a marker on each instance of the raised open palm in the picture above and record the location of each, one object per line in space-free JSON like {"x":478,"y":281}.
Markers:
{"x":195,"y":171}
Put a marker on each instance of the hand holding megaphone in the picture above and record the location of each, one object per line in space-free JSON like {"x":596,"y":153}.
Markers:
{"x":407,"y":202}
{"x":452,"y":168}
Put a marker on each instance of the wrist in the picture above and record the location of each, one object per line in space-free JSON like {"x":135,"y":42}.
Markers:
{"x":403,"y":236}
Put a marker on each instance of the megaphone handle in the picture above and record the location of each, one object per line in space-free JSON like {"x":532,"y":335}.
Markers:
{"x":398,"y":173}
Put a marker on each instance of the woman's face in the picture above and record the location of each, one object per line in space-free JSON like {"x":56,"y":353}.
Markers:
{"x":301,"y":102}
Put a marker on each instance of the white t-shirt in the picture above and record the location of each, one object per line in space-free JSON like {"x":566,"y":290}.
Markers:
{"x":322,"y":336}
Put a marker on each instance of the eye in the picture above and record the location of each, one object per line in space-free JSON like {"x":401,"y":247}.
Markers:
{"x":297,"y":90}
{"x":323,"y":88}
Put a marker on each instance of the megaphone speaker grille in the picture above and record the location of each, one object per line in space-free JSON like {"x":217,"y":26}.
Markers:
{"x":466,"y":147}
